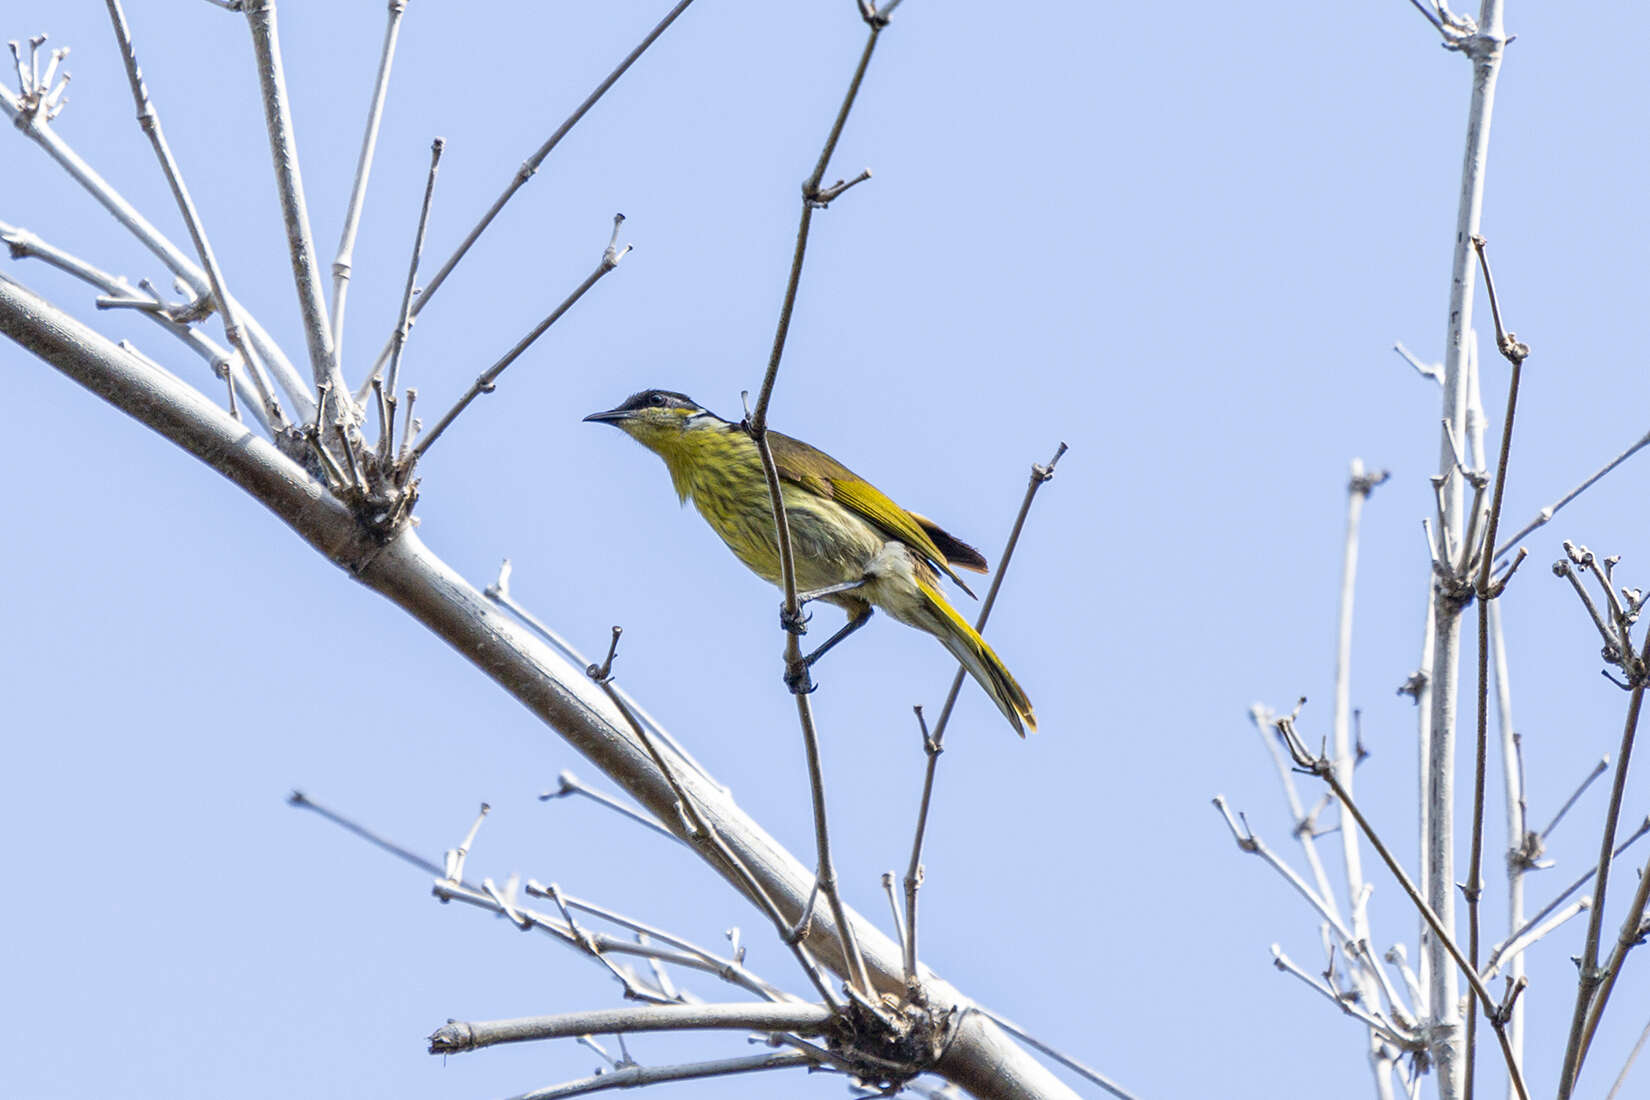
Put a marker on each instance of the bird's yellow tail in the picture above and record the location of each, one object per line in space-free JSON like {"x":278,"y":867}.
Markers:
{"x":942,"y":620}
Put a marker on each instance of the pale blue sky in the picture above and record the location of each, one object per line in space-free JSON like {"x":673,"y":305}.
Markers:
{"x":1182,"y":242}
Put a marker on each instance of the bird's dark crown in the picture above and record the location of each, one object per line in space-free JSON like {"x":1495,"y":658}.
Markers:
{"x":659,"y":399}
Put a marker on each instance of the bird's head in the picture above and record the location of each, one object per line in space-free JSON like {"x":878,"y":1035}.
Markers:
{"x":657,"y":419}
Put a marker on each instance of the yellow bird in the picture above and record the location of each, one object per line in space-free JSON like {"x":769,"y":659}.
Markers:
{"x":853,"y":546}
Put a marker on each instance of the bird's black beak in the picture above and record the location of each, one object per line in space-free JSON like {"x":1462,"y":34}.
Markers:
{"x":611,"y":416}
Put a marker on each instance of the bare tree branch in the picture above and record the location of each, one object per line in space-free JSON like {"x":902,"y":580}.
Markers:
{"x":526,"y":172}
{"x":456,"y":1036}
{"x":395,"y":9}
{"x":979,"y":1058}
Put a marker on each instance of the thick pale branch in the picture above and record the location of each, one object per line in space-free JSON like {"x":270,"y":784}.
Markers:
{"x":37,"y":129}
{"x":980,"y":1059}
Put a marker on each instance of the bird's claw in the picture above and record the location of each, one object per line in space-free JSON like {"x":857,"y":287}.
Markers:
{"x":798,"y":680}
{"x":794,"y":622}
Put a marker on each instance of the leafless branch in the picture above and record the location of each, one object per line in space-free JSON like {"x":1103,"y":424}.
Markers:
{"x":456,"y":1036}
{"x":395,"y":9}
{"x":611,"y":255}
{"x":934,"y":743}
{"x":1323,"y":768}
{"x":526,"y":172}
{"x":228,"y":309}
{"x":289,"y":186}
{"x":404,"y":324}
{"x":634,"y":1076}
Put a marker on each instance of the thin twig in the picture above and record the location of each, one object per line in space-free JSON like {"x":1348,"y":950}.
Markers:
{"x":499,"y":593}
{"x":1360,"y":484}
{"x":1382,"y":1029}
{"x":228,"y":309}
{"x":1563,"y":896}
{"x":526,"y":172}
{"x":700,"y":830}
{"x":791,"y":615}
{"x":1599,"y":769}
{"x":1515,"y":354}
{"x":1546,"y":514}
{"x":1324,"y":769}
{"x":1621,"y":1078}
{"x":1064,"y":1059}
{"x":611,"y":255}
{"x":363,"y":169}
{"x":934,"y":743}
{"x":634,"y":1076}
{"x":404,"y":324}
{"x":32,"y":122}
{"x":567,"y":783}
{"x":1589,"y":976}
{"x":289,"y":186}
{"x":23,"y":244}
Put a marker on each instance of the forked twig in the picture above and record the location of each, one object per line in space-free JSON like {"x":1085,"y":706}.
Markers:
{"x":1515,"y":353}
{"x":791,"y":615}
{"x":228,"y":309}
{"x":934,"y":743}
{"x":526,"y":172}
{"x":1324,"y":769}
{"x":485,"y":383}
{"x":701,"y":832}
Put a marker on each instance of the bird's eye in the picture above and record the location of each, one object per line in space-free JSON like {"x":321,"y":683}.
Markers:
{"x":658,"y":400}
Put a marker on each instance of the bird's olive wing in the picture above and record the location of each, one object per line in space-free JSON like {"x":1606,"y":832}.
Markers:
{"x":815,"y":470}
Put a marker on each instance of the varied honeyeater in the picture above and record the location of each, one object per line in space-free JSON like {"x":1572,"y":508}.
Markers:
{"x":853,"y":547}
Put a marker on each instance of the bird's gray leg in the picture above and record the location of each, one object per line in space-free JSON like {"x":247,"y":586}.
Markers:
{"x":831,"y":590}
{"x":798,"y":623}
{"x":797,"y":678}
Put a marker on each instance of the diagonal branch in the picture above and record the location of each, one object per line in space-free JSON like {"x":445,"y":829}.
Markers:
{"x":979,"y":1058}
{"x":611,"y":255}
{"x":33,"y":124}
{"x":149,"y":120}
{"x":457,"y":1036}
{"x":934,"y":744}
{"x":1324,"y":769}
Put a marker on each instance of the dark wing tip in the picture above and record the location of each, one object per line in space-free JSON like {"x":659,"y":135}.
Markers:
{"x":958,"y":554}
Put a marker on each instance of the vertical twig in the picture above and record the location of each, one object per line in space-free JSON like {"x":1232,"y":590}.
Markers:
{"x":289,"y":185}
{"x":404,"y":325}
{"x":1486,"y":592}
{"x":757,"y":425}
{"x":1360,"y":483}
{"x":1590,"y":976}
{"x":1484,"y":48}
{"x":363,"y":169}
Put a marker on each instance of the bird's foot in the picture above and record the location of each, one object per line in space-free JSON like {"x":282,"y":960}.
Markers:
{"x":794,"y":622}
{"x":798,"y":680}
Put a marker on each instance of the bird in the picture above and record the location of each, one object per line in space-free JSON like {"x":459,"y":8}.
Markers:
{"x":852,"y":546}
